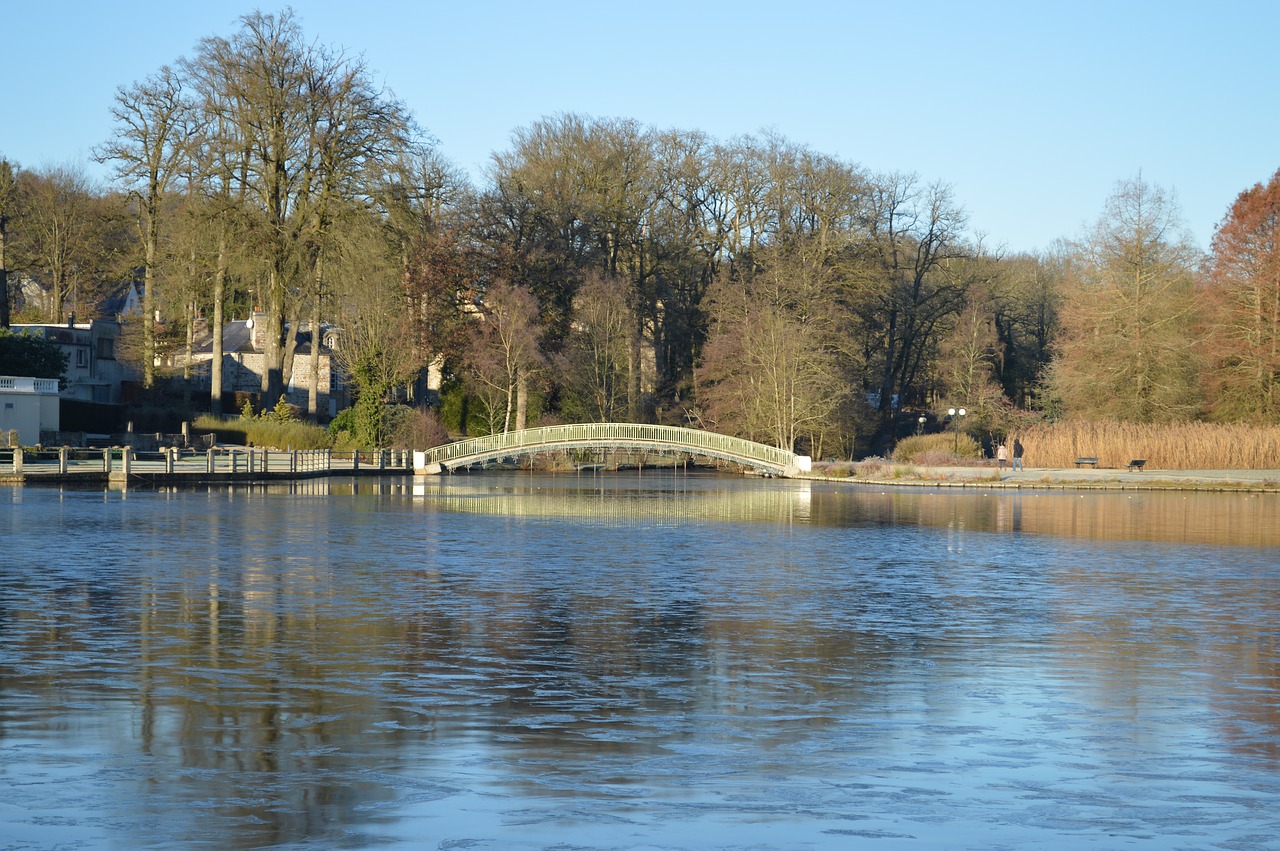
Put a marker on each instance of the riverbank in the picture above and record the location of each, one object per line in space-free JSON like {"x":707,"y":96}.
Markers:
{"x":1084,"y":478}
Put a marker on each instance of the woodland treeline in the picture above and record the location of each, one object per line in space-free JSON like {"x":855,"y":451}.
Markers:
{"x":605,"y":270}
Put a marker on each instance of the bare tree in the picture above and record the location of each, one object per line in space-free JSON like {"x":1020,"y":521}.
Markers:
{"x":375,"y":347}
{"x":150,"y":150}
{"x":771,"y":368}
{"x":8,"y":202}
{"x":593,"y":365}
{"x":315,"y":132}
{"x":504,"y":352}
{"x":64,"y":236}
{"x":1126,"y":350}
{"x":970,"y":360}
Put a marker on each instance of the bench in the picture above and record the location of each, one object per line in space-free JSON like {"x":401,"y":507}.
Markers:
{"x":1137,"y":464}
{"x":1086,"y":462}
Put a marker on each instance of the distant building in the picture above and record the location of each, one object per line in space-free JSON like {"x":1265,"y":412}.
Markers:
{"x":121,"y":301}
{"x":244,"y":362}
{"x":115,"y":301}
{"x":93,"y":373}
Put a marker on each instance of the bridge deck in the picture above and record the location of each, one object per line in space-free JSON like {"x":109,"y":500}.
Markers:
{"x":609,"y":436}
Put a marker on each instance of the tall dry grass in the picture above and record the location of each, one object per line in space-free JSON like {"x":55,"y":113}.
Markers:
{"x":1185,"y":446}
{"x":291,"y":434}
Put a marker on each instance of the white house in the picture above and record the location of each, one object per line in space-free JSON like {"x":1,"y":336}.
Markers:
{"x":93,"y":373}
{"x":28,"y":406}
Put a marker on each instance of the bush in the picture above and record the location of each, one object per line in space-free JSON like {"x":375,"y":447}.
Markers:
{"x":293,"y":434}
{"x":415,"y":428}
{"x":874,"y":467}
{"x":31,"y":356}
{"x":933,"y":450}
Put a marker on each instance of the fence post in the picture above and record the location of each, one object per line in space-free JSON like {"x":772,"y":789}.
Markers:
{"x":266,"y":461}
{"x":17,"y":460}
{"x":126,"y":460}
{"x":63,"y":452}
{"x":168,"y":460}
{"x":355,"y":461}
{"x":106,"y":460}
{"x":209,"y":460}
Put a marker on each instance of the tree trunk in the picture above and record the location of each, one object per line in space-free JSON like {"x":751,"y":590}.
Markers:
{"x":191,"y":341}
{"x":215,"y":364}
{"x":4,"y":275}
{"x":313,"y":360}
{"x":272,"y":384}
{"x":149,"y":304}
{"x":522,"y":400}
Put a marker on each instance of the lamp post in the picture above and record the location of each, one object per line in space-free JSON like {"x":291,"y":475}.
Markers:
{"x":920,"y":427}
{"x":955,"y":414}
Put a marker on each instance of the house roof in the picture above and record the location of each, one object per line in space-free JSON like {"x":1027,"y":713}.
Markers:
{"x":237,"y":337}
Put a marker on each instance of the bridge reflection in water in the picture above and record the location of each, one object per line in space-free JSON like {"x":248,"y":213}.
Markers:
{"x":666,"y":497}
{"x":620,"y":499}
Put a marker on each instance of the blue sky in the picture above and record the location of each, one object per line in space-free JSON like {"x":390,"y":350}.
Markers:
{"x":1032,"y":111}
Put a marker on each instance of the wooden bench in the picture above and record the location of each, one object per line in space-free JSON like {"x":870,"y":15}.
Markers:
{"x":1086,"y":462}
{"x":1137,"y":464}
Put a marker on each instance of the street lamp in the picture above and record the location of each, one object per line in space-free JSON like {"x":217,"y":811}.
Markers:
{"x":955,"y":414}
{"x":920,"y":428}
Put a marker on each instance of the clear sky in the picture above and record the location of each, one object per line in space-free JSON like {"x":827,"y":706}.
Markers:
{"x":1031,"y":110}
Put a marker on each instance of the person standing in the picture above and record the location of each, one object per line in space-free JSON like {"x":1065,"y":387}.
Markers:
{"x":1017,"y":454}
{"x":1002,"y":455}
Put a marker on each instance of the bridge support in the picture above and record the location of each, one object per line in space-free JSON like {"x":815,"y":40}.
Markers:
{"x":422,"y":468}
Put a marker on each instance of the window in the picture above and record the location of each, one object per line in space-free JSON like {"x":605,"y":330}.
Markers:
{"x":106,"y":348}
{"x":82,"y":357}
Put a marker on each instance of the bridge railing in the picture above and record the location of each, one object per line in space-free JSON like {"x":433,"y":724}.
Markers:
{"x":674,"y":437}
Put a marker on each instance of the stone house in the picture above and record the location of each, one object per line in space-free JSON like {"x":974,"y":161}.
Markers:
{"x":244,"y":361}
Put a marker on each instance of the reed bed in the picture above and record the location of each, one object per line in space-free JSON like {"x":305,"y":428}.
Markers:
{"x":1183,"y":446}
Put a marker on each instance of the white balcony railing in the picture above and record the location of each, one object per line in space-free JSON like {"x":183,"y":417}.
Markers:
{"x":18,"y":384}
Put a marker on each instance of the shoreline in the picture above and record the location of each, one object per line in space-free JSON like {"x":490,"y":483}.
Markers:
{"x":1046,"y":478}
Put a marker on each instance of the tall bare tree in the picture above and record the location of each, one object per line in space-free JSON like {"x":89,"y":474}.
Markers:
{"x":64,"y":236}
{"x":772,"y":367}
{"x":504,"y":353}
{"x":8,"y":203}
{"x":1126,"y":349}
{"x":593,"y":365}
{"x":315,"y":131}
{"x":150,"y":149}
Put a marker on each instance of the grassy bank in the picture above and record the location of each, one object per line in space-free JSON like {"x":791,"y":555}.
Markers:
{"x":1187,"y":446}
{"x":292,"y":434}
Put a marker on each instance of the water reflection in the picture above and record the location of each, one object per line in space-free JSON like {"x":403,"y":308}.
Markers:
{"x":1246,"y":519}
{"x":520,"y":661}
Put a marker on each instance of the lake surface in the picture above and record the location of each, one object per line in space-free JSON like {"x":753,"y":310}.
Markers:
{"x":637,"y":662}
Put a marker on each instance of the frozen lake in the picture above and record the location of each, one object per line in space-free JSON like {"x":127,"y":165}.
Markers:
{"x":637,"y":662}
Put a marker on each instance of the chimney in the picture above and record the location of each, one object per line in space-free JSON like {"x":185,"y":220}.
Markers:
{"x":258,"y":328}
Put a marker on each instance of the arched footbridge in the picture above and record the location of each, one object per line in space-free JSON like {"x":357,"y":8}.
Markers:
{"x":605,"y":436}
